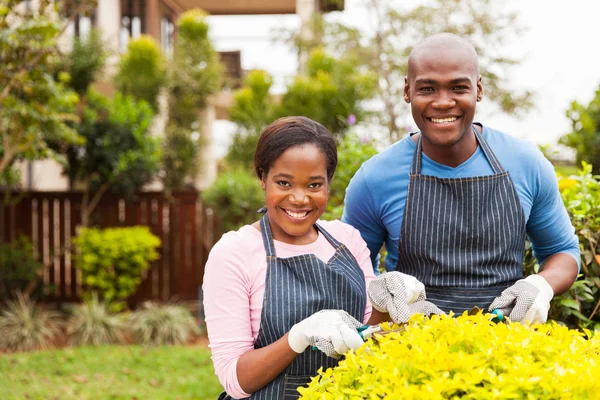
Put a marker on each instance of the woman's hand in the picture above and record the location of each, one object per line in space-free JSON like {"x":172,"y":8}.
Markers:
{"x":331,"y":331}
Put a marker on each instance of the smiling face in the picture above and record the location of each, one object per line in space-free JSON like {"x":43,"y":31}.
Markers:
{"x":443,"y":87}
{"x":296,"y":190}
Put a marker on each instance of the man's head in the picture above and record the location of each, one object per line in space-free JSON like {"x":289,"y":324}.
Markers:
{"x":443,"y":86}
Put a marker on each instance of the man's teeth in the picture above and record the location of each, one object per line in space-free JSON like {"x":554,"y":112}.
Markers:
{"x":296,"y":215}
{"x":443,"y":120}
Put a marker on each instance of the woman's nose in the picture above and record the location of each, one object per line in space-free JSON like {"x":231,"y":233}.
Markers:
{"x":298,"y":196}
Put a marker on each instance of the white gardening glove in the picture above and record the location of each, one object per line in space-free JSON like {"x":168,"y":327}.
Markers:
{"x":394,"y":292}
{"x":527,"y":301}
{"x":331,"y":331}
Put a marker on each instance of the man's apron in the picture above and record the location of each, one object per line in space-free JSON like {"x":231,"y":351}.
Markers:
{"x":296,"y":288}
{"x":464,"y":238}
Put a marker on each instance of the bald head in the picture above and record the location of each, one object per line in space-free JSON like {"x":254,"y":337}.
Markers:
{"x":439,"y":44}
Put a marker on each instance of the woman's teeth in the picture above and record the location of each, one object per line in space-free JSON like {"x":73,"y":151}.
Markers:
{"x":443,"y":120}
{"x":296,"y":215}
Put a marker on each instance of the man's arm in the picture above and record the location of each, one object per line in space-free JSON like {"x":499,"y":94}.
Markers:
{"x":555,"y":244}
{"x":361,"y":212}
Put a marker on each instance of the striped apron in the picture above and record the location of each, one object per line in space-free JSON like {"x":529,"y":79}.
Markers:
{"x":296,"y":288}
{"x":464,"y":238}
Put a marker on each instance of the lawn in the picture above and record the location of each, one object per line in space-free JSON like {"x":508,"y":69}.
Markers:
{"x":109,"y":372}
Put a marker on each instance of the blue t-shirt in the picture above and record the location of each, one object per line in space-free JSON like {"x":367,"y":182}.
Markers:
{"x":376,"y":195}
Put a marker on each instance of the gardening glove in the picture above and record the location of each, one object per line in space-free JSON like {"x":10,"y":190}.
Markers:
{"x":394,"y":293}
{"x":331,"y":331}
{"x":528,"y":300}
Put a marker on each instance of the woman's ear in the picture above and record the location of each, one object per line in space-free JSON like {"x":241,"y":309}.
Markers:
{"x":263,"y":178}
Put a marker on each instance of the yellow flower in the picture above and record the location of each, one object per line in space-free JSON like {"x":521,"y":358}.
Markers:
{"x":466,"y":357}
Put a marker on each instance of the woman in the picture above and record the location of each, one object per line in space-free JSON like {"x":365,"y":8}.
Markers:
{"x":288,"y":282}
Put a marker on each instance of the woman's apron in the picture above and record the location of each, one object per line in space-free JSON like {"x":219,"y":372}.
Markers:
{"x":464,"y":238}
{"x":296,"y":288}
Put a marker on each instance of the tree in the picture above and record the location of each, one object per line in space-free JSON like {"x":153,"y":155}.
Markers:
{"x":395,"y":31}
{"x":141,"y":71}
{"x":35,"y":104}
{"x":194,"y":75}
{"x":332,"y":91}
{"x":585,"y":137}
{"x":118,"y":154}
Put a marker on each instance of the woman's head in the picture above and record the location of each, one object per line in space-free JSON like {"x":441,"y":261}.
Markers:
{"x":295,"y":160}
{"x":288,"y":132}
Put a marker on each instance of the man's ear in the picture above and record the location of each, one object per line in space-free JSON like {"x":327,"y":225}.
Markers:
{"x":479,"y":89}
{"x":406,"y":90}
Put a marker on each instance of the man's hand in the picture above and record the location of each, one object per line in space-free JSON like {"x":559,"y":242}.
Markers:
{"x":527,"y":301}
{"x":331,"y":331}
{"x":400,"y":295}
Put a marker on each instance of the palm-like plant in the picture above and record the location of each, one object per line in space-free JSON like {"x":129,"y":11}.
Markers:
{"x":24,"y":326}
{"x":160,"y":324}
{"x":92,"y":323}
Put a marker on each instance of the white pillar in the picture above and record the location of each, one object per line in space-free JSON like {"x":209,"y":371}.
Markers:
{"x":208,"y":160}
{"x":305,"y":10}
{"x":108,"y":21}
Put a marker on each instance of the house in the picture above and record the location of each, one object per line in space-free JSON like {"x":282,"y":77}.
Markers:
{"x":121,"y":20}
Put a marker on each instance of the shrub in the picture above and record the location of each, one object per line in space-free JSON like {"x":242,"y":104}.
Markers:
{"x":352,"y":152}
{"x":142,"y":70}
{"x":92,"y":323}
{"x":235,"y":197}
{"x":25,"y":327}
{"x":163,"y":324}
{"x":112,"y":261}
{"x":466,"y":357}
{"x":86,"y":61}
{"x":581,"y":196}
{"x":18,"y":266}
{"x":181,"y":163}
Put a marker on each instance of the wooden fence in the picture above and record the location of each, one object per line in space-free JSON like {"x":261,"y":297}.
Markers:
{"x":51,"y":220}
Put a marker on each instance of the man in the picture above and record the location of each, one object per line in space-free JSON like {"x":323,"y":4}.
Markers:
{"x":454,"y":202}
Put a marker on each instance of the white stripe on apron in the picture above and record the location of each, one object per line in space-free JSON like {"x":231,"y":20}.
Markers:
{"x":464,"y":238}
{"x":295,"y":288}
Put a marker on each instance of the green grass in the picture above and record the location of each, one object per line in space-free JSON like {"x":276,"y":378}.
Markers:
{"x":109,"y":372}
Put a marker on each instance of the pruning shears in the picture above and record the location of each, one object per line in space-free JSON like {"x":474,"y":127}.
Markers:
{"x":367,"y":331}
{"x":498,"y":315}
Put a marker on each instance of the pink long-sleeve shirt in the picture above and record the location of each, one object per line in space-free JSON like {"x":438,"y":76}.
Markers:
{"x":234,"y":285}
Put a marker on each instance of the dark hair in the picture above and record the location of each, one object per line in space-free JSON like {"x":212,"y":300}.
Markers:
{"x":288,"y":132}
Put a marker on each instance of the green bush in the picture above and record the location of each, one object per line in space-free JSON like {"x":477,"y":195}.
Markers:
{"x":18,"y":266}
{"x":581,"y":196}
{"x":163,"y":324}
{"x":352,"y":152}
{"x":468,"y":357}
{"x":180,"y":150}
{"x":92,"y":323}
{"x":86,"y":60}
{"x":24,"y":326}
{"x":585,"y":137}
{"x":195,"y":71}
{"x":234,"y":197}
{"x":112,"y":261}
{"x":141,"y":72}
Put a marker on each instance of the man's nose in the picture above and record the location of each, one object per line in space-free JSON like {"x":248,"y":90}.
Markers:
{"x":444,"y":101}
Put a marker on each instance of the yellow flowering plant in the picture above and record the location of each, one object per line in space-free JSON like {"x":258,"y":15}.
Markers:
{"x":467,"y":357}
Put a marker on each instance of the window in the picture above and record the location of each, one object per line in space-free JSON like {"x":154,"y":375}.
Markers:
{"x":132,"y":21}
{"x":166,"y":36}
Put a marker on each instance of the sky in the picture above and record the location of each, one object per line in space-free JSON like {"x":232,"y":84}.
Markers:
{"x":558,"y":58}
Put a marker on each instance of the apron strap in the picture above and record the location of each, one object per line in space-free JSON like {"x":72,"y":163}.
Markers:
{"x":267,"y":236}
{"x":415,"y":168}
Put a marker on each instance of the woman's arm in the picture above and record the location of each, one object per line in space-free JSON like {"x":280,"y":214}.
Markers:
{"x":258,"y":367}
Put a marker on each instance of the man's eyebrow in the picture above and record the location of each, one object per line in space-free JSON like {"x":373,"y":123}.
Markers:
{"x":428,"y":81}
